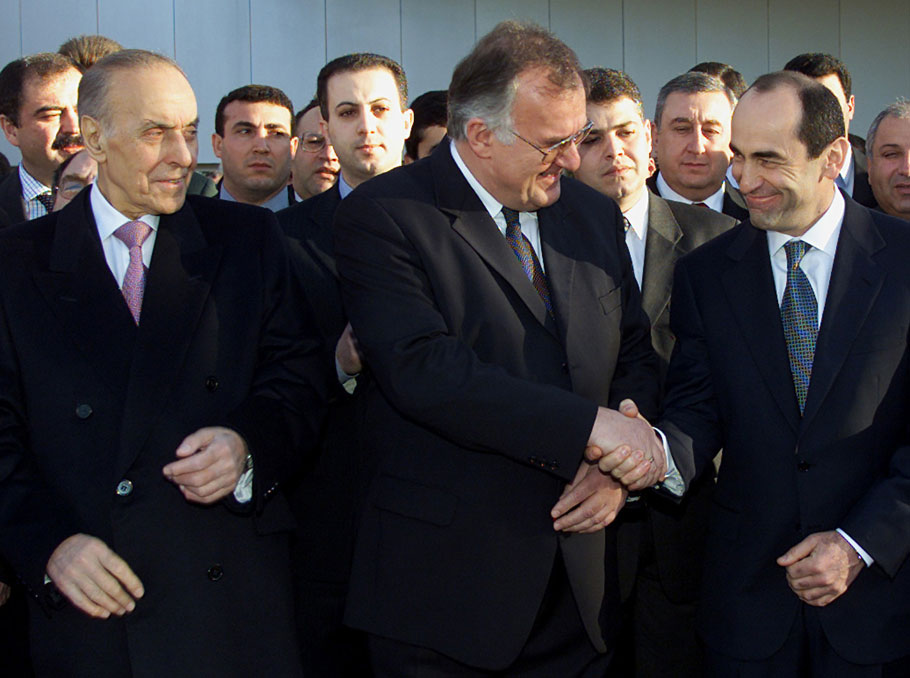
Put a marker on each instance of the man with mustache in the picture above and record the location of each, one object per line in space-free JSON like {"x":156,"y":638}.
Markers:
{"x":888,"y":148}
{"x":253,"y":138}
{"x":38,"y":116}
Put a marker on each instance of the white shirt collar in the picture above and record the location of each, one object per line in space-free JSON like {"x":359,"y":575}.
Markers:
{"x":108,"y":219}
{"x":31,"y":187}
{"x":343,"y":187}
{"x":715,"y":201}
{"x":822,"y":235}
{"x":638,"y":215}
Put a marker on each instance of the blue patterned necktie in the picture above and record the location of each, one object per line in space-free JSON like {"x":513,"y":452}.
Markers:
{"x":799,"y":313}
{"x":525,"y":253}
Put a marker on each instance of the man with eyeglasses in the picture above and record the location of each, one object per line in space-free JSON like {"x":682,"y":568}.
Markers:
{"x":363,"y":104}
{"x":496,"y":304}
{"x":315,"y":167}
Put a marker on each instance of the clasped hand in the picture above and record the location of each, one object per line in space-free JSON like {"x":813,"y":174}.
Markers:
{"x":623,"y":444}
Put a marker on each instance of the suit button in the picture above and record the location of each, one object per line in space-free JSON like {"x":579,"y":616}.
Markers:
{"x":565,"y":367}
{"x":84,"y":411}
{"x":124,"y":488}
{"x":211,"y":384}
{"x":803,"y":466}
{"x":533,"y":460}
{"x":215,"y":572}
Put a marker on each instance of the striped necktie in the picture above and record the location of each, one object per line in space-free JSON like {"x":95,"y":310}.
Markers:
{"x":133,"y":234}
{"x":525,"y":253}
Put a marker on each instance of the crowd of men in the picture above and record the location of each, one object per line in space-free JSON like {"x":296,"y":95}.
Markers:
{"x":376,"y":402}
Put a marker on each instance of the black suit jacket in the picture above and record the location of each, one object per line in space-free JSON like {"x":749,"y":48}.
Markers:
{"x":484,"y":405}
{"x":844,"y":464}
{"x":734,"y":205}
{"x":677,"y":530}
{"x":91,"y":401}
{"x":11,"y":197}
{"x":862,"y":191}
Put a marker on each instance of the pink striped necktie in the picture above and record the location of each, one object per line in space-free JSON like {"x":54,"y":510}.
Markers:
{"x":133,"y":234}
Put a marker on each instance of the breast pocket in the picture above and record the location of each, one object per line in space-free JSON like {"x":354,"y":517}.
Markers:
{"x":612,"y":300}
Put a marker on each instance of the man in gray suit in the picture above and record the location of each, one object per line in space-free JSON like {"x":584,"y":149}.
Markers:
{"x":660,"y":544}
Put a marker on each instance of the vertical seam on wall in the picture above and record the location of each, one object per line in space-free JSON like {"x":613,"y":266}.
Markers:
{"x":174,"y":26}
{"x":325,"y":31}
{"x":622,"y":19}
{"x":249,"y":10}
{"x":20,"y":30}
{"x":840,"y":31}
{"x":696,"y":32}
{"x":768,"y":36}
{"x":549,"y":15}
{"x":475,"y":22}
{"x":98,"y":16}
{"x":401,"y":33}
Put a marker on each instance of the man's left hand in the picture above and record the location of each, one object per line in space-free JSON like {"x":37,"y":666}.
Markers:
{"x":590,"y":502}
{"x":210,"y":461}
{"x":821,"y":567}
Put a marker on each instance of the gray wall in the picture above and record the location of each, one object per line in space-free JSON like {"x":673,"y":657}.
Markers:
{"x":223,"y":44}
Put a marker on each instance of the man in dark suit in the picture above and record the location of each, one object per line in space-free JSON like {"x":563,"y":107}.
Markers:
{"x":38,"y":116}
{"x":833,"y":74}
{"x":363,"y":98}
{"x":660,"y":543}
{"x":692,"y":143}
{"x":792,"y":355}
{"x":497,"y":308}
{"x":152,"y":404}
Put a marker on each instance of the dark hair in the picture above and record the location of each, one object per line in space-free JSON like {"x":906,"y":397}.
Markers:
{"x":485,"y":81}
{"x":430,"y":109}
{"x":691,"y":82}
{"x":93,"y":97}
{"x":818,"y":65}
{"x":608,"y":85}
{"x":44,"y":66}
{"x":732,"y":78}
{"x":252,"y":94}
{"x":822,"y":119}
{"x":86,"y":50}
{"x":303,"y":111}
{"x":359,"y":61}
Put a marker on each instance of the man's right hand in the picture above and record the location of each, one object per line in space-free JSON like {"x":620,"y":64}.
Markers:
{"x":624,"y":445}
{"x":93,"y":578}
{"x":347,"y":353}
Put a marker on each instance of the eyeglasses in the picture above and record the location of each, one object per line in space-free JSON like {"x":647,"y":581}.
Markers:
{"x":550,"y":154}
{"x":312,"y":142}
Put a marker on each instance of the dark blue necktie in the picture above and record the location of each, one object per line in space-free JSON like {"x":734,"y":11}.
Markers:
{"x":525,"y":253}
{"x":799,"y":313}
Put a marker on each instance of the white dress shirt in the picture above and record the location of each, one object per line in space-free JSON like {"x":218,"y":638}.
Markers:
{"x":715,"y":201}
{"x":817,"y":263}
{"x":637,"y":235}
{"x":31,"y":189}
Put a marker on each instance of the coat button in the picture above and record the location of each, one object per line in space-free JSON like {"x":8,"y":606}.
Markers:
{"x":84,"y":411}
{"x":124,"y":488}
{"x":211,"y":384}
{"x":565,"y":367}
{"x":803,"y":466}
{"x":215,"y":572}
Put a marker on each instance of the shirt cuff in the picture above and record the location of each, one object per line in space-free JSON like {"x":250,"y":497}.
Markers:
{"x":243,"y":490}
{"x":673,"y":482}
{"x":348,"y":381}
{"x":856,"y":547}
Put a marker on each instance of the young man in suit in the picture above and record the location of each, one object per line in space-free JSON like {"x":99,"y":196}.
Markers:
{"x":692,"y":143}
{"x":792,"y":355}
{"x":38,"y":116}
{"x":660,"y":543}
{"x":496,"y":307}
{"x":152,"y":405}
{"x":363,"y":100}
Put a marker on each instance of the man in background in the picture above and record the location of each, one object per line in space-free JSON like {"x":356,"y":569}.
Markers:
{"x":430,"y":115}
{"x":888,"y":148}
{"x":315,"y":165}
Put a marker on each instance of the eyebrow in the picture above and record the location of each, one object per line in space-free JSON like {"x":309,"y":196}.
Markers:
{"x":148,"y":123}
{"x":49,"y":109}
{"x":769,"y":155}
{"x":357,"y":103}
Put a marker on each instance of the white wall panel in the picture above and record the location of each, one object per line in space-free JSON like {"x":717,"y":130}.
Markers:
{"x":799,"y":27}
{"x":358,"y":26}
{"x":659,"y":44}
{"x":139,"y":24}
{"x":435,"y":36}
{"x":593,"y":28}
{"x":491,"y":12}
{"x":733,"y":33}
{"x":212,"y":39}
{"x":48,"y":23}
{"x":288,"y":39}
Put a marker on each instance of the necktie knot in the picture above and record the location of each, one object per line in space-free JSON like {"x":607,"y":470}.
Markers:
{"x":512,"y":220}
{"x":133,"y":233}
{"x":796,"y":250}
{"x":626,"y":224}
{"x":46,"y":199}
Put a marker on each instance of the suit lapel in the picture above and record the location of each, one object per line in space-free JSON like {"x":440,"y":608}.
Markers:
{"x":180,"y":276}
{"x":661,"y":243}
{"x":749,"y":286}
{"x":558,"y":248}
{"x":317,"y":233}
{"x":856,"y":281}
{"x":473,"y":223}
{"x":84,"y":296}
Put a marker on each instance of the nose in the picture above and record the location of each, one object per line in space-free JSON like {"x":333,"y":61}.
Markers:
{"x":260,"y":142}
{"x":568,"y":158}
{"x":612,"y":146}
{"x":367,"y":122}
{"x":697,"y":141}
{"x":328,"y":153}
{"x":904,"y":166}
{"x":745,"y":174}
{"x":181,"y":151}
{"x":69,"y":121}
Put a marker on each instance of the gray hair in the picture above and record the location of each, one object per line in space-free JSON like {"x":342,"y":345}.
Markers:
{"x":93,"y":88}
{"x":900,"y":109}
{"x":693,"y":82}
{"x":485,"y":82}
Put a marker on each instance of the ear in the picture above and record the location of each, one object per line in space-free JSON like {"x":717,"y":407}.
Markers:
{"x":648,"y":139}
{"x":408,"y":122}
{"x":480,"y":138}
{"x":834,"y":157}
{"x":93,"y":138}
{"x":10,"y":130}
{"x":217,"y":140}
{"x":851,"y":108}
{"x":294,"y":142}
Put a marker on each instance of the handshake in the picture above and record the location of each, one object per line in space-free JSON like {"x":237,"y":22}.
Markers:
{"x":623,"y":444}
